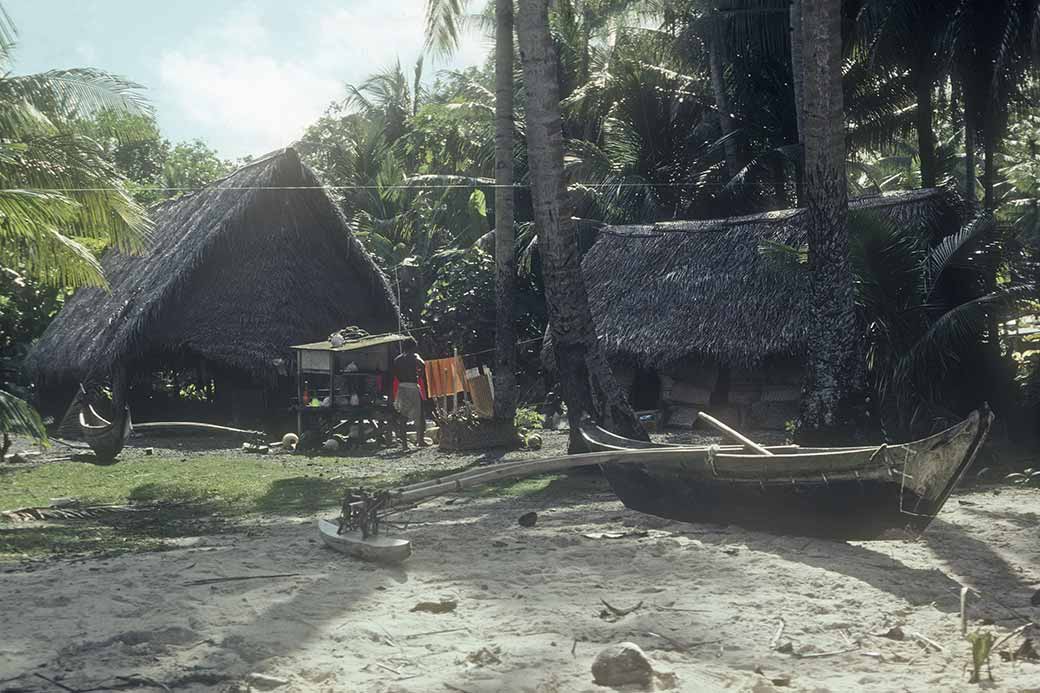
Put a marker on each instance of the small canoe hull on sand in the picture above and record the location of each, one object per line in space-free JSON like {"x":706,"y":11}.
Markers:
{"x":106,"y":438}
{"x":379,"y":548}
{"x":878,"y":492}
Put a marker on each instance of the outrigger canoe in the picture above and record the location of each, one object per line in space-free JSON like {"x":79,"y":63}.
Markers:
{"x":106,"y":438}
{"x":870,"y":492}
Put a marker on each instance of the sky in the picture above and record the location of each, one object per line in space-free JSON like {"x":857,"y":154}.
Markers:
{"x":246,"y":76}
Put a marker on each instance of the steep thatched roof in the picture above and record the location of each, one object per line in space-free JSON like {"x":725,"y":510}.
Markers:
{"x":664,"y":292}
{"x":236,"y":273}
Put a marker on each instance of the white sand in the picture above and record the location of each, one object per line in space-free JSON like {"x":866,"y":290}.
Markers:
{"x":529,"y":612}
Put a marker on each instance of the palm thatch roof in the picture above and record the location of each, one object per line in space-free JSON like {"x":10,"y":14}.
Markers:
{"x":236,"y":273}
{"x":664,"y":292}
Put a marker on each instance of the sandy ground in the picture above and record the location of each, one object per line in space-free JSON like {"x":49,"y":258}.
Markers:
{"x":529,"y":612}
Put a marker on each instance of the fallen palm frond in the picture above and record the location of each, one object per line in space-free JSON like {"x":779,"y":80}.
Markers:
{"x":77,"y":512}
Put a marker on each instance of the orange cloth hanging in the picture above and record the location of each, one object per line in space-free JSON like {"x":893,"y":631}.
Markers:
{"x":443,"y":378}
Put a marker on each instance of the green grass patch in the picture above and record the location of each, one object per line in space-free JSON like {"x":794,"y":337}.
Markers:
{"x":196,"y":495}
{"x":182,"y":497}
{"x":234,"y":484}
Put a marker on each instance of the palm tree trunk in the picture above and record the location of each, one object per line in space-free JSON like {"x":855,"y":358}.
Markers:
{"x":585,"y":49}
{"x":833,"y":371}
{"x":505,"y":247}
{"x":989,"y":173}
{"x":926,"y":128}
{"x":585,"y":377}
{"x":797,"y":71}
{"x":718,"y":86}
{"x":969,"y":154}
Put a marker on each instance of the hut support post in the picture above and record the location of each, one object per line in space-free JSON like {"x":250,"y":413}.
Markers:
{"x":332,"y":379}
{"x":119,"y":391}
{"x":299,"y":394}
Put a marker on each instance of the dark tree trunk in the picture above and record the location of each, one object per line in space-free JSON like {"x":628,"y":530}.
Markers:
{"x":779,"y":183}
{"x":969,"y":155}
{"x":586,"y":47}
{"x":585,"y":377}
{"x":794,"y":19}
{"x":834,"y":372}
{"x":926,"y":129}
{"x":989,"y":173}
{"x":505,"y":248}
{"x":797,"y":73}
{"x":120,"y":390}
{"x":718,"y":86}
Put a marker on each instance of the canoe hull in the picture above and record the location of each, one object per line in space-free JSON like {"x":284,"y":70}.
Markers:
{"x":105,"y":438}
{"x":886,"y":492}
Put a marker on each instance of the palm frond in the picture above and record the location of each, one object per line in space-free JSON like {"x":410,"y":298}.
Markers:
{"x":8,"y":34}
{"x":30,"y":228}
{"x":75,"y":92}
{"x":18,"y":418}
{"x":938,"y":350}
{"x":444,"y":24}
{"x":949,"y":248}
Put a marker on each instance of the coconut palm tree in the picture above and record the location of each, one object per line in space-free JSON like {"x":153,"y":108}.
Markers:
{"x":56,"y":185}
{"x":994,"y":45}
{"x":444,"y":25}
{"x":834,"y":368}
{"x":913,"y":36}
{"x":587,"y":382}
{"x":927,"y":305}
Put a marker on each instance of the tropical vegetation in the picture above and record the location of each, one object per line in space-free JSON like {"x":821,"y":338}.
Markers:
{"x":682,"y":109}
{"x":667,"y":109}
{"x":80,"y":158}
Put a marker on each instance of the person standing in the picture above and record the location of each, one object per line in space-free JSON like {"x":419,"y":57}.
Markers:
{"x":409,"y":369}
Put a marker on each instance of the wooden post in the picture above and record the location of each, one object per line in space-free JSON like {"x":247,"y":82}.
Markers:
{"x":332,"y":379}
{"x":299,"y":393}
{"x":456,"y":373}
{"x":718,"y":425}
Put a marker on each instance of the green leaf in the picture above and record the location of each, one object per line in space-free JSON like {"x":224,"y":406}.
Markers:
{"x":478,"y":203}
{"x":18,"y":418}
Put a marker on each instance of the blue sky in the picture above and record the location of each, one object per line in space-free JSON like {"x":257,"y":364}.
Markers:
{"x":246,"y":76}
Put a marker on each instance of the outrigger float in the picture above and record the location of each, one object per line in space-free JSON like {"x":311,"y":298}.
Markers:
{"x":867,"y":492}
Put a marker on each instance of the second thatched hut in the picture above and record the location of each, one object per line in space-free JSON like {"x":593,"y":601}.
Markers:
{"x":692,"y":316}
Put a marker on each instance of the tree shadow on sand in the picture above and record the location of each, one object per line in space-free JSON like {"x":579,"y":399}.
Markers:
{"x":301,"y":494}
{"x":1000,"y":586}
{"x":155,"y":513}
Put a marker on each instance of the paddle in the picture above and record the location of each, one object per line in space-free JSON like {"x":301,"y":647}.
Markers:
{"x":718,"y":425}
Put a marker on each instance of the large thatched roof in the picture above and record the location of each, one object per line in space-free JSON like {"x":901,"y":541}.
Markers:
{"x":661,"y":293}
{"x":236,"y":273}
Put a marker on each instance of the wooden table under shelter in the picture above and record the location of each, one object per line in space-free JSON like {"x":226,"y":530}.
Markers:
{"x":347,"y":388}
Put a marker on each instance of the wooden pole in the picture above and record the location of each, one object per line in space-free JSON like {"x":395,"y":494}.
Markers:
{"x":332,"y":380}
{"x":719,"y":426}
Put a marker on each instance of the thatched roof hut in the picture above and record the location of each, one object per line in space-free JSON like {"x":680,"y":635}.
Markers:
{"x":671,"y":290}
{"x":236,"y":273}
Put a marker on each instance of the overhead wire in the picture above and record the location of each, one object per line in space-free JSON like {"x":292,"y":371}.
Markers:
{"x":424,"y":186}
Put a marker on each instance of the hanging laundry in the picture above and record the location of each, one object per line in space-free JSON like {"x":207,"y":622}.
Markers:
{"x":443,"y":378}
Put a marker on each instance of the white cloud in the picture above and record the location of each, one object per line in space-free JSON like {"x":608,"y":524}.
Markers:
{"x":261,"y":103}
{"x":250,"y":83}
{"x":86,"y":53}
